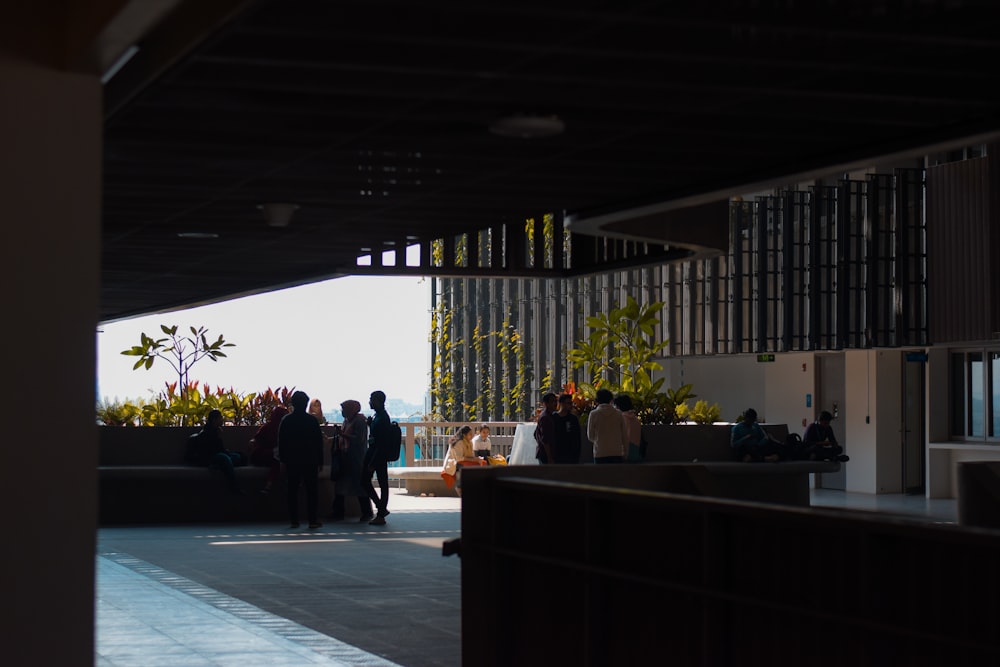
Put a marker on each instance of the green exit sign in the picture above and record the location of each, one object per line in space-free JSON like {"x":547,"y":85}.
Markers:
{"x":765,"y":357}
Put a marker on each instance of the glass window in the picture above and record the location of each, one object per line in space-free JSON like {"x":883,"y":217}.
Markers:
{"x":994,"y":394}
{"x":975,"y":394}
{"x":977,"y":422}
{"x":958,"y":389}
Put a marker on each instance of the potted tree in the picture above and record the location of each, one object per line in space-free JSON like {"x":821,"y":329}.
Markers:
{"x":620,"y":355}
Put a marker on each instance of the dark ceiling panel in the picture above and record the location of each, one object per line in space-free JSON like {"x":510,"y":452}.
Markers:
{"x":373,"y":117}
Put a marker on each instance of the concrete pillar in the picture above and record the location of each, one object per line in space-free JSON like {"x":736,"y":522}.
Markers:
{"x":50,"y":184}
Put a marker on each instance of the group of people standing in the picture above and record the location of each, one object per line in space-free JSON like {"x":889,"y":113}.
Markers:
{"x":612,"y":427}
{"x":293,"y":441}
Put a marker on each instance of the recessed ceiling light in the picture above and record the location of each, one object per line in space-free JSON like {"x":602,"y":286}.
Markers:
{"x":278,"y":214}
{"x":197,"y":235}
{"x":528,"y":126}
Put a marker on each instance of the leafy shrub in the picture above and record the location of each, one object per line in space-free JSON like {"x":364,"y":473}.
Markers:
{"x":173,"y":408}
{"x":703,"y":413}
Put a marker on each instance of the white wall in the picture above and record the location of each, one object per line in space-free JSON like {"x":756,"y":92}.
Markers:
{"x":776,"y":390}
{"x":735,"y":382}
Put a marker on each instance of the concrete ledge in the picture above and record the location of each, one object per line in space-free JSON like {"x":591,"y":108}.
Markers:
{"x":785,"y":483}
{"x":422,"y":480}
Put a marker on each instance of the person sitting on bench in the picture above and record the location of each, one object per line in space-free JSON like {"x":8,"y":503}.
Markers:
{"x":751,"y":441}
{"x":820,"y":443}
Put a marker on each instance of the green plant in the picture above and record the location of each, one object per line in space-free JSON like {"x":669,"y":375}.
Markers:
{"x":118,"y":413}
{"x":170,"y":408}
{"x":620,"y":354}
{"x":181,"y":352}
{"x":703,"y":413}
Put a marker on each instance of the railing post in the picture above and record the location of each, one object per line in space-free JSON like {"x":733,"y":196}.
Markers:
{"x":410,"y":434}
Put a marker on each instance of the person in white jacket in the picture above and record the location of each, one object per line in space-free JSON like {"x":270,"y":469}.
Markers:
{"x":606,"y":428}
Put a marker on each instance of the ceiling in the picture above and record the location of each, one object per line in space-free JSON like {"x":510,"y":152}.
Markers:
{"x":374,"y":118}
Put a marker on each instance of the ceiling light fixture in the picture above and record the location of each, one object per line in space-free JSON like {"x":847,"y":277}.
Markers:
{"x":278,"y":214}
{"x":197,"y":235}
{"x":528,"y":126}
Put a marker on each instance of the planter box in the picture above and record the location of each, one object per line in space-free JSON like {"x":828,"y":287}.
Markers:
{"x":677,"y":443}
{"x":160,"y":445}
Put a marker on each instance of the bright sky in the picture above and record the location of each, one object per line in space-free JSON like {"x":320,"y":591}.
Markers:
{"x":332,"y":340}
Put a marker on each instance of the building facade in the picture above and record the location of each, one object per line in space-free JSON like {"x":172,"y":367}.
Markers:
{"x":871,"y":296}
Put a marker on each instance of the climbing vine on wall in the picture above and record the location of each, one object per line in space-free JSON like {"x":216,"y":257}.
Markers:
{"x":443,"y":389}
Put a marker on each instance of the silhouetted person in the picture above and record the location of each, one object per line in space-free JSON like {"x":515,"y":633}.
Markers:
{"x":300,"y":448}
{"x":205,"y":448}
{"x":751,"y":441}
{"x":352,"y":443}
{"x":568,"y":433}
{"x":264,"y":444}
{"x":376,"y":458}
{"x":545,"y":430}
{"x":633,"y":450}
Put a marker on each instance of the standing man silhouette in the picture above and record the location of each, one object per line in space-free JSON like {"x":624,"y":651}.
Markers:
{"x":376,"y":462}
{"x":300,"y":448}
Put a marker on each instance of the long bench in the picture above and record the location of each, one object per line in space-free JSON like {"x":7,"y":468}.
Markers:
{"x":143,"y":479}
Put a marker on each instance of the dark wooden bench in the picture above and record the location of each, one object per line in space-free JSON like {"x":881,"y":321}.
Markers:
{"x":143,"y":479}
{"x":688,"y":443}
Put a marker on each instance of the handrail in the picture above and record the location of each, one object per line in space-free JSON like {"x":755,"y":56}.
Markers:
{"x":434,"y":437}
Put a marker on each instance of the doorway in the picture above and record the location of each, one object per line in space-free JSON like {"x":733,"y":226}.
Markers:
{"x":830,"y":393}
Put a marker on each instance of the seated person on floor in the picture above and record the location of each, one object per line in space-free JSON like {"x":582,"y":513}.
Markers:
{"x":819,"y":442}
{"x":751,"y":441}
{"x":481,"y":443}
{"x":460,"y":453}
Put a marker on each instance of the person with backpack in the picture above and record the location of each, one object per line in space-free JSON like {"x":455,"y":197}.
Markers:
{"x":380,"y":441}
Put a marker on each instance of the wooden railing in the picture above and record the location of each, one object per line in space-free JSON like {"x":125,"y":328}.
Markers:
{"x":721,"y":582}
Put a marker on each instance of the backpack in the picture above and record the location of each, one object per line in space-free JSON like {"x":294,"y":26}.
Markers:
{"x":795,"y":449}
{"x":394,"y":441}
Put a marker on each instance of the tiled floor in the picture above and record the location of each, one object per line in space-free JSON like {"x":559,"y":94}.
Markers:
{"x":347,"y":594}
{"x":146,"y":616}
{"x":937,"y":510}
